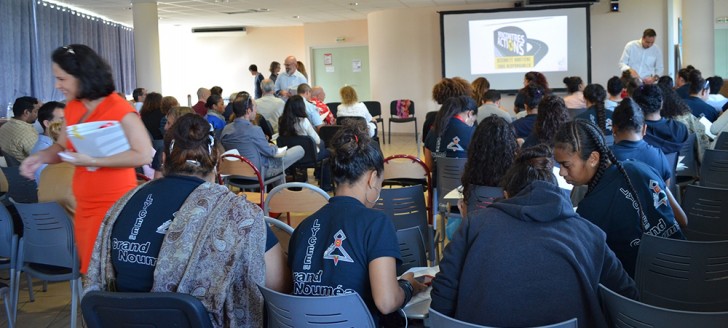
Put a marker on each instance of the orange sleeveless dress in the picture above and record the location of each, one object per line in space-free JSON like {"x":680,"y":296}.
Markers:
{"x":96,"y":191}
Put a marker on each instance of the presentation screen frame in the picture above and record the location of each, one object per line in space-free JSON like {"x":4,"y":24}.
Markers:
{"x":555,"y":84}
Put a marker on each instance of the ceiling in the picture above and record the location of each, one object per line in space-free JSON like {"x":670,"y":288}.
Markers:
{"x":198,"y":13}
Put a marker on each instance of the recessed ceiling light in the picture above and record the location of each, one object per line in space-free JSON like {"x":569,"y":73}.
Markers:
{"x":296,"y":17}
{"x":353,"y":3}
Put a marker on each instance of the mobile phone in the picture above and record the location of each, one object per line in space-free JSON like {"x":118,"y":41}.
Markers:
{"x":425,"y":280}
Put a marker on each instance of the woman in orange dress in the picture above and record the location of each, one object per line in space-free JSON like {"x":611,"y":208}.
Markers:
{"x":86,"y":81}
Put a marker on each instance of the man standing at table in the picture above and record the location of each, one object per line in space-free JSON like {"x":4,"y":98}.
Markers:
{"x":642,"y":58}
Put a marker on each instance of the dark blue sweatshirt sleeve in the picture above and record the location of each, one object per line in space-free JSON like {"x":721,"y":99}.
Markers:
{"x":615,"y":278}
{"x":446,"y":283}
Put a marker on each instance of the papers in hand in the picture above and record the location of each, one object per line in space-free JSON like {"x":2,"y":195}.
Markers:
{"x":425,"y":294}
{"x":706,"y":122}
{"x":456,"y":193}
{"x":281,"y":151}
{"x":98,"y":139}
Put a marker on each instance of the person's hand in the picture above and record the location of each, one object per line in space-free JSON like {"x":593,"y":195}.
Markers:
{"x":416,"y":285}
{"x":283,"y":93}
{"x":649,"y":80}
{"x":31,"y":164}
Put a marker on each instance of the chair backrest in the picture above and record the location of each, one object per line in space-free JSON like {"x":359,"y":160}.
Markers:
{"x":333,"y":107}
{"x":284,"y":198}
{"x":327,"y":132}
{"x":344,"y":310}
{"x":672,"y":161}
{"x":722,"y":142}
{"x":411,"y":249}
{"x":406,"y":207}
{"x":707,"y":211}
{"x":689,"y":155}
{"x":20,"y":189}
{"x":374,"y":108}
{"x":110,"y":309}
{"x":47,"y":235}
{"x":308,"y":145}
{"x":11,"y":161}
{"x":8,"y":239}
{"x":683,"y":275}
{"x":713,"y":170}
{"x":626,"y":313}
{"x":574,"y":112}
{"x":407,"y":170}
{"x":3,"y":183}
{"x":393,"y":107}
{"x":438,"y":319}
{"x":279,"y":224}
{"x":482,"y":196}
{"x":449,"y":171}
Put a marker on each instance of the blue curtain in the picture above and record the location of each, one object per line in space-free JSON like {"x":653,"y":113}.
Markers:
{"x":31,"y":30}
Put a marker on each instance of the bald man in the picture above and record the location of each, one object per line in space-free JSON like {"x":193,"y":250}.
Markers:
{"x":202,"y":95}
{"x":288,"y":82}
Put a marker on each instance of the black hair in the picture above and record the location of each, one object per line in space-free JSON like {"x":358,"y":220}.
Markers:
{"x":253,"y":68}
{"x":697,"y":82}
{"x":451,"y":107}
{"x":552,"y":113}
{"x":492,"y":95}
{"x":572,"y":83}
{"x":45,"y":112}
{"x":22,"y":104}
{"x":303,"y":88}
{"x":152,"y":103}
{"x":138,"y":92}
{"x":672,"y":105}
{"x":628,"y":116}
{"x":212,"y":100}
{"x":666,"y":80}
{"x":539,"y":79}
{"x":189,"y":148}
{"x":583,"y":137}
{"x":491,"y":152}
{"x":533,"y":93}
{"x":216,"y":90}
{"x":95,"y":79}
{"x":684,"y":73}
{"x":716,"y":83}
{"x":630,"y":83}
{"x":273,"y":65}
{"x":649,"y":98}
{"x":353,"y":154}
{"x":531,"y":164}
{"x":649,"y":33}
{"x":242,"y":104}
{"x":595,"y":94}
{"x":294,"y":109}
{"x":614,"y":86}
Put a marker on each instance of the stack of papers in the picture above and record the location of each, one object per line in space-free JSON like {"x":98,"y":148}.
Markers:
{"x":98,"y":139}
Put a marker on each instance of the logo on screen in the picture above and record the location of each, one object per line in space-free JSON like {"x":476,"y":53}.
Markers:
{"x":513,"y":49}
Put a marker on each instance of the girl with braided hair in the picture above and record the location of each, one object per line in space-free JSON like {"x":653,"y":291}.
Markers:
{"x":596,"y":112}
{"x":625,"y":199}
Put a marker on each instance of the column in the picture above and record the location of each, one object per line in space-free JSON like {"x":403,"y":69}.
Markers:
{"x":698,"y":36}
{"x":146,"y":45}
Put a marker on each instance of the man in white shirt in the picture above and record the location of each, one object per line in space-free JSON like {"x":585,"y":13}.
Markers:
{"x":287,"y":82}
{"x":715,"y":99}
{"x":642,"y":58}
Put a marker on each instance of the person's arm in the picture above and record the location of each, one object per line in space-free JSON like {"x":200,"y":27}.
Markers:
{"x":615,"y":278}
{"x":261,"y":143}
{"x":428,"y":159}
{"x":387,"y":294}
{"x":310,"y":131}
{"x":140,"y":151}
{"x":277,"y":273}
{"x":446,"y":284}
{"x":680,"y":216}
{"x":720,"y":124}
{"x":46,"y":156}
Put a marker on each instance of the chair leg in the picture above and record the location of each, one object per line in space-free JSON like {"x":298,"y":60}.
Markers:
{"x":417,"y":139}
{"x":29,"y":281}
{"x":75,"y":296}
{"x":45,"y":286}
{"x":8,"y":313}
{"x":384,"y":141}
{"x":14,"y":276}
{"x":390,"y":132}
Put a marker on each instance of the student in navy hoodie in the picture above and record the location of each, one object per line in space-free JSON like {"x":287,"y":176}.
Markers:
{"x":667,"y":134}
{"x":528,"y":260}
{"x":625,"y":199}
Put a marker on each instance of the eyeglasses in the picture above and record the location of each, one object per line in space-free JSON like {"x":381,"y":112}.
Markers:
{"x":707,"y":85}
{"x":69,"y":50}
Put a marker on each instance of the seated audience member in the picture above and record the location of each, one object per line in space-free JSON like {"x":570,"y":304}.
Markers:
{"x":168,"y":102}
{"x":682,"y":81}
{"x":207,"y":226}
{"x":215,"y":107}
{"x":535,"y":77}
{"x":50,"y":112}
{"x":665,"y":80}
{"x":17,"y":135}
{"x":270,"y":106}
{"x":528,"y":260}
{"x":318,"y":96}
{"x":351,"y":107}
{"x":304,"y":90}
{"x":172,"y":116}
{"x":251,"y":143}
{"x":216,"y":90}
{"x":202,"y":95}
{"x":452,"y":130}
{"x":347,"y":246}
{"x":614,"y":93}
{"x":228,"y":113}
{"x":666,"y":134}
{"x":139,"y":94}
{"x":630,"y":84}
{"x":532,"y":96}
{"x":552,"y":114}
{"x":699,"y":89}
{"x":675,"y":108}
{"x":446,"y":88}
{"x":625,"y":199}
{"x":294,"y":122}
{"x":629,"y":127}
{"x":594,"y":94}
{"x":55,"y":185}
{"x":480,"y":86}
{"x":575,"y":98}
{"x":490,"y":154}
{"x":715,"y":99}
{"x":151,"y":114}
{"x":491,"y":105}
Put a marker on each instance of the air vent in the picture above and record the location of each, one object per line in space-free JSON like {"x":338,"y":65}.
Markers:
{"x":226,"y":31}
{"x":248,"y":11}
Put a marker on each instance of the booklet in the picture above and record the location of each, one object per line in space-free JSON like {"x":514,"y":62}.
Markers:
{"x":98,"y":139}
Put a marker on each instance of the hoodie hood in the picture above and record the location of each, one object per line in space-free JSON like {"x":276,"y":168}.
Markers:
{"x":540,"y":201}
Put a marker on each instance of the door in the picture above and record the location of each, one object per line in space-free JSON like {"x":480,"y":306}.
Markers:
{"x":334,"y":68}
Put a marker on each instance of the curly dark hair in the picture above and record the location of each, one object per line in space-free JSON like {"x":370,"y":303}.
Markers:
{"x":451,"y":87}
{"x":649,"y":97}
{"x":95,"y":79}
{"x":532,"y":164}
{"x":595,"y":94}
{"x":294,"y":109}
{"x":672,"y":104}
{"x":552,"y":114}
{"x":491,"y":152}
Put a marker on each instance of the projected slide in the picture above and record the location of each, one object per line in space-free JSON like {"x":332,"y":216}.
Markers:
{"x":519,"y":45}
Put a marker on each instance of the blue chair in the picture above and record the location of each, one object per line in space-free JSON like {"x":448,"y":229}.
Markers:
{"x":4,"y":291}
{"x":8,"y":250}
{"x":346,"y":310}
{"x":707,"y":211}
{"x":406,"y":208}
{"x":626,"y":313}
{"x":110,"y":309}
{"x":438,"y":320}
{"x":47,"y":250}
{"x":20,"y":189}
{"x":713,"y":169}
{"x":411,"y":249}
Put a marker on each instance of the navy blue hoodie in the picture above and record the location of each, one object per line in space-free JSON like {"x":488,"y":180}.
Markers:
{"x":528,"y":261}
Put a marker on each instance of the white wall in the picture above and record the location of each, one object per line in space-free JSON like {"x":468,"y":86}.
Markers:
{"x":698,"y":35}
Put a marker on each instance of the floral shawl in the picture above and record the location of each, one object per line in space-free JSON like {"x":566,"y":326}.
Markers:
{"x":214,"y":250}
